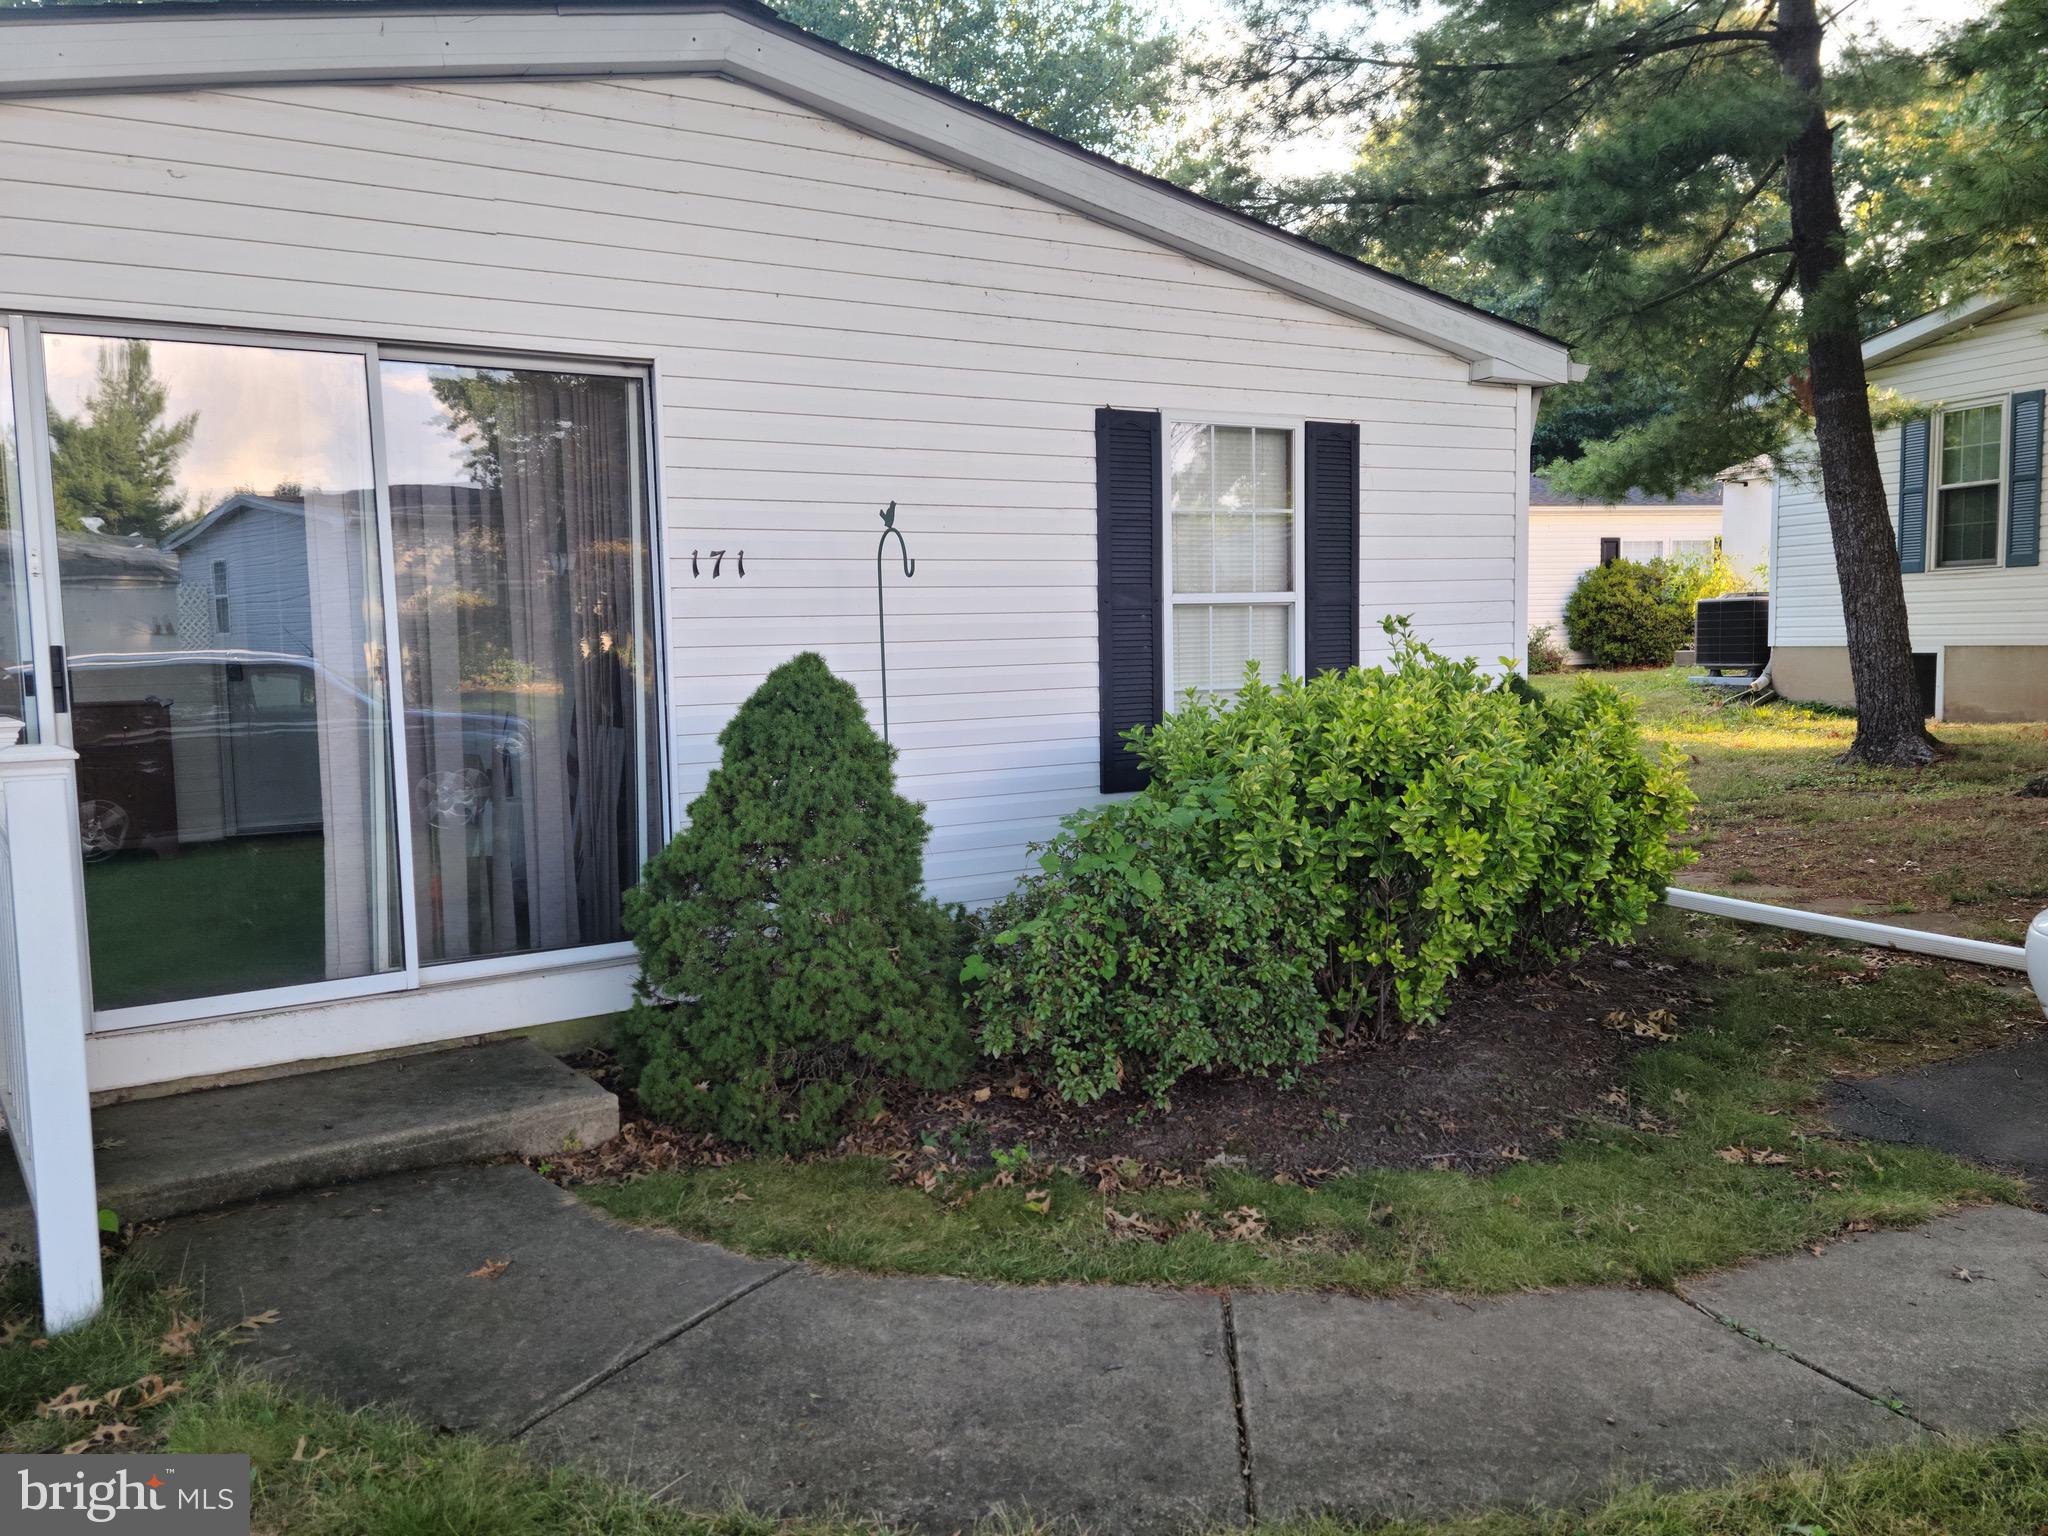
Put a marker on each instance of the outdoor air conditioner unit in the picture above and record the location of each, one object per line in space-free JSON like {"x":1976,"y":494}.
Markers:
{"x":1733,"y":633}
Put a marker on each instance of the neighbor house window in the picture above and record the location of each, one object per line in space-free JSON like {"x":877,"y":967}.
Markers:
{"x":1972,"y":450}
{"x":1693,"y":549}
{"x":1231,"y":532}
{"x":1642,"y":550}
{"x":220,"y":597}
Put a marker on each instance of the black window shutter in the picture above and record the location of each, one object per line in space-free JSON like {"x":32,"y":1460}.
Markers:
{"x":1610,"y":551}
{"x":1330,"y":538}
{"x":1130,"y":586}
{"x":1913,"y":495}
{"x":2023,"y":498}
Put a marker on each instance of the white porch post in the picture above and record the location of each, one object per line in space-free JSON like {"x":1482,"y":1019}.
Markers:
{"x":45,"y":1003}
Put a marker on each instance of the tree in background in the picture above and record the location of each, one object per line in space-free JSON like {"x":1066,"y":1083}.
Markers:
{"x":1102,"y":73}
{"x":1661,"y":183}
{"x":117,"y":460}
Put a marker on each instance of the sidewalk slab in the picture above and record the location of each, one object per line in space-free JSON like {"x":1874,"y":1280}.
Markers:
{"x":1989,"y":1108}
{"x":931,"y":1403}
{"x":194,"y":1151}
{"x":379,"y":1300}
{"x":1892,"y":1313}
{"x":1410,"y":1408}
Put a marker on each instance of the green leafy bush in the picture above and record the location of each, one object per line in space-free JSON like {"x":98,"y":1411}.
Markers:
{"x":1130,"y":963}
{"x":789,"y":962}
{"x":1624,"y":614}
{"x":1605,"y":843}
{"x":1688,"y":578}
{"x":1545,"y":654}
{"x":1371,"y":832}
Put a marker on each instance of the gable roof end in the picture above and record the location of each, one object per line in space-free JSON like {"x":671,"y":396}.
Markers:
{"x":1935,"y":325}
{"x":55,"y":50}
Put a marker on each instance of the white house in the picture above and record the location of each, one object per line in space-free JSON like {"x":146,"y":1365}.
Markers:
{"x":1569,"y":535}
{"x":546,"y":366}
{"x":1963,"y":476}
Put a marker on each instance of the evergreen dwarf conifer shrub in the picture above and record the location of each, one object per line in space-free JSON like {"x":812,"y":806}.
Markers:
{"x":790,"y":963}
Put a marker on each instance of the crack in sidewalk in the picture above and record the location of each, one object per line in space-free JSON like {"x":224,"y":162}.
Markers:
{"x":634,"y":1354}
{"x":1244,"y":1432}
{"x":1890,"y":1404}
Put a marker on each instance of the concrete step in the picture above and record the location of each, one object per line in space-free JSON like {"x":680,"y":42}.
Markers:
{"x":193,"y":1151}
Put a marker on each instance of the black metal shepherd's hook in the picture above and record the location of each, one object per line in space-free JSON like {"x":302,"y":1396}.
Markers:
{"x":881,"y":613}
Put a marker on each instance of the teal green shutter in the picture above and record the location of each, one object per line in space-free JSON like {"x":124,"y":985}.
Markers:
{"x":1913,"y":495}
{"x":2023,"y":499}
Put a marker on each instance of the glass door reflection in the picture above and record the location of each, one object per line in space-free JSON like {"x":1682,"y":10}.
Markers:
{"x":518,"y":527}
{"x":222,"y":604}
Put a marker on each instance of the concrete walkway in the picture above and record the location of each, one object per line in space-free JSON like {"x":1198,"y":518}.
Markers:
{"x":934,"y":1403}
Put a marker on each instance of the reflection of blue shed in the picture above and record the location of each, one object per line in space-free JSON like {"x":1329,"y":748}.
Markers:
{"x":243,"y":577}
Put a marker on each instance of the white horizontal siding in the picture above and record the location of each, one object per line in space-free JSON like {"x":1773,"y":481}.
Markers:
{"x":834,"y":322}
{"x":1979,"y":605}
{"x":1564,"y":543}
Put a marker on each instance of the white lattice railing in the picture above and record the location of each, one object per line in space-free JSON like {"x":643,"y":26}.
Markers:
{"x":44,"y":1008}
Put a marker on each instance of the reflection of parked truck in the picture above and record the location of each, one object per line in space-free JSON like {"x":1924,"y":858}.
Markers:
{"x":193,"y":746}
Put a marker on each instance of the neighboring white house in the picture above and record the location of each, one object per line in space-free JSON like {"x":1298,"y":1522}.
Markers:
{"x":1569,"y":535}
{"x":1963,"y":476}
{"x":582,"y":344}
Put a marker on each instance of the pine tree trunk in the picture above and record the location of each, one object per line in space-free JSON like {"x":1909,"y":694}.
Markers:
{"x":1889,"y":725}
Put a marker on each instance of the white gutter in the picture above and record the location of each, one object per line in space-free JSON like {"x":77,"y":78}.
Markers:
{"x":2033,"y":959}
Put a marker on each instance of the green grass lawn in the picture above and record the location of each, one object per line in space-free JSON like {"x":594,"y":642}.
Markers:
{"x":322,"y":1471}
{"x":1954,"y":846}
{"x":1618,"y":1204}
{"x":230,"y":916}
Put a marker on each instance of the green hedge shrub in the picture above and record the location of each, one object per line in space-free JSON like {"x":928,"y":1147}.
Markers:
{"x":1128,"y":963}
{"x":1605,"y":844}
{"x":789,"y":962}
{"x":1383,"y":829}
{"x":1623,"y":614}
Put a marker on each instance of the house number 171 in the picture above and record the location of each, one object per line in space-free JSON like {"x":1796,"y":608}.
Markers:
{"x":717,"y":560}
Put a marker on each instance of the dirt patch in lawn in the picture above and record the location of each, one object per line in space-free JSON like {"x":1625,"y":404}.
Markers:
{"x":1506,"y":1073}
{"x":1972,"y":866}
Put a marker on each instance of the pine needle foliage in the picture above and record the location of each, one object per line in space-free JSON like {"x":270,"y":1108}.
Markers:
{"x":790,"y":962}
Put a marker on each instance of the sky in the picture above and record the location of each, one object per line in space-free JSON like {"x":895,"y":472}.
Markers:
{"x":268,"y":415}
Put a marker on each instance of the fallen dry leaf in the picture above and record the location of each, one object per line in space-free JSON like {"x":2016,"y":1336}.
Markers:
{"x":71,"y":1403}
{"x":178,"y":1342}
{"x":1963,"y":1275}
{"x":982,"y":1095}
{"x":256,"y":1320}
{"x":299,"y":1451}
{"x":1128,"y":1229}
{"x":1244,"y":1224}
{"x":105,"y":1434}
{"x":153,"y":1391}
{"x":1039,"y":1200}
{"x":1759,"y":1157}
{"x":490,"y":1269}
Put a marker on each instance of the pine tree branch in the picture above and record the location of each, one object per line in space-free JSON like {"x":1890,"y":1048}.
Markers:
{"x":1756,"y":331}
{"x":1705,"y":279}
{"x":1627,"y":50}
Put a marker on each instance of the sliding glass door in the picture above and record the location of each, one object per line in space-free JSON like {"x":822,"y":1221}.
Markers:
{"x":356,"y":658}
{"x":517,"y":507}
{"x":216,"y":544}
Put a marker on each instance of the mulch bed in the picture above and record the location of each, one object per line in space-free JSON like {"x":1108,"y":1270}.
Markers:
{"x":1501,"y":1078}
